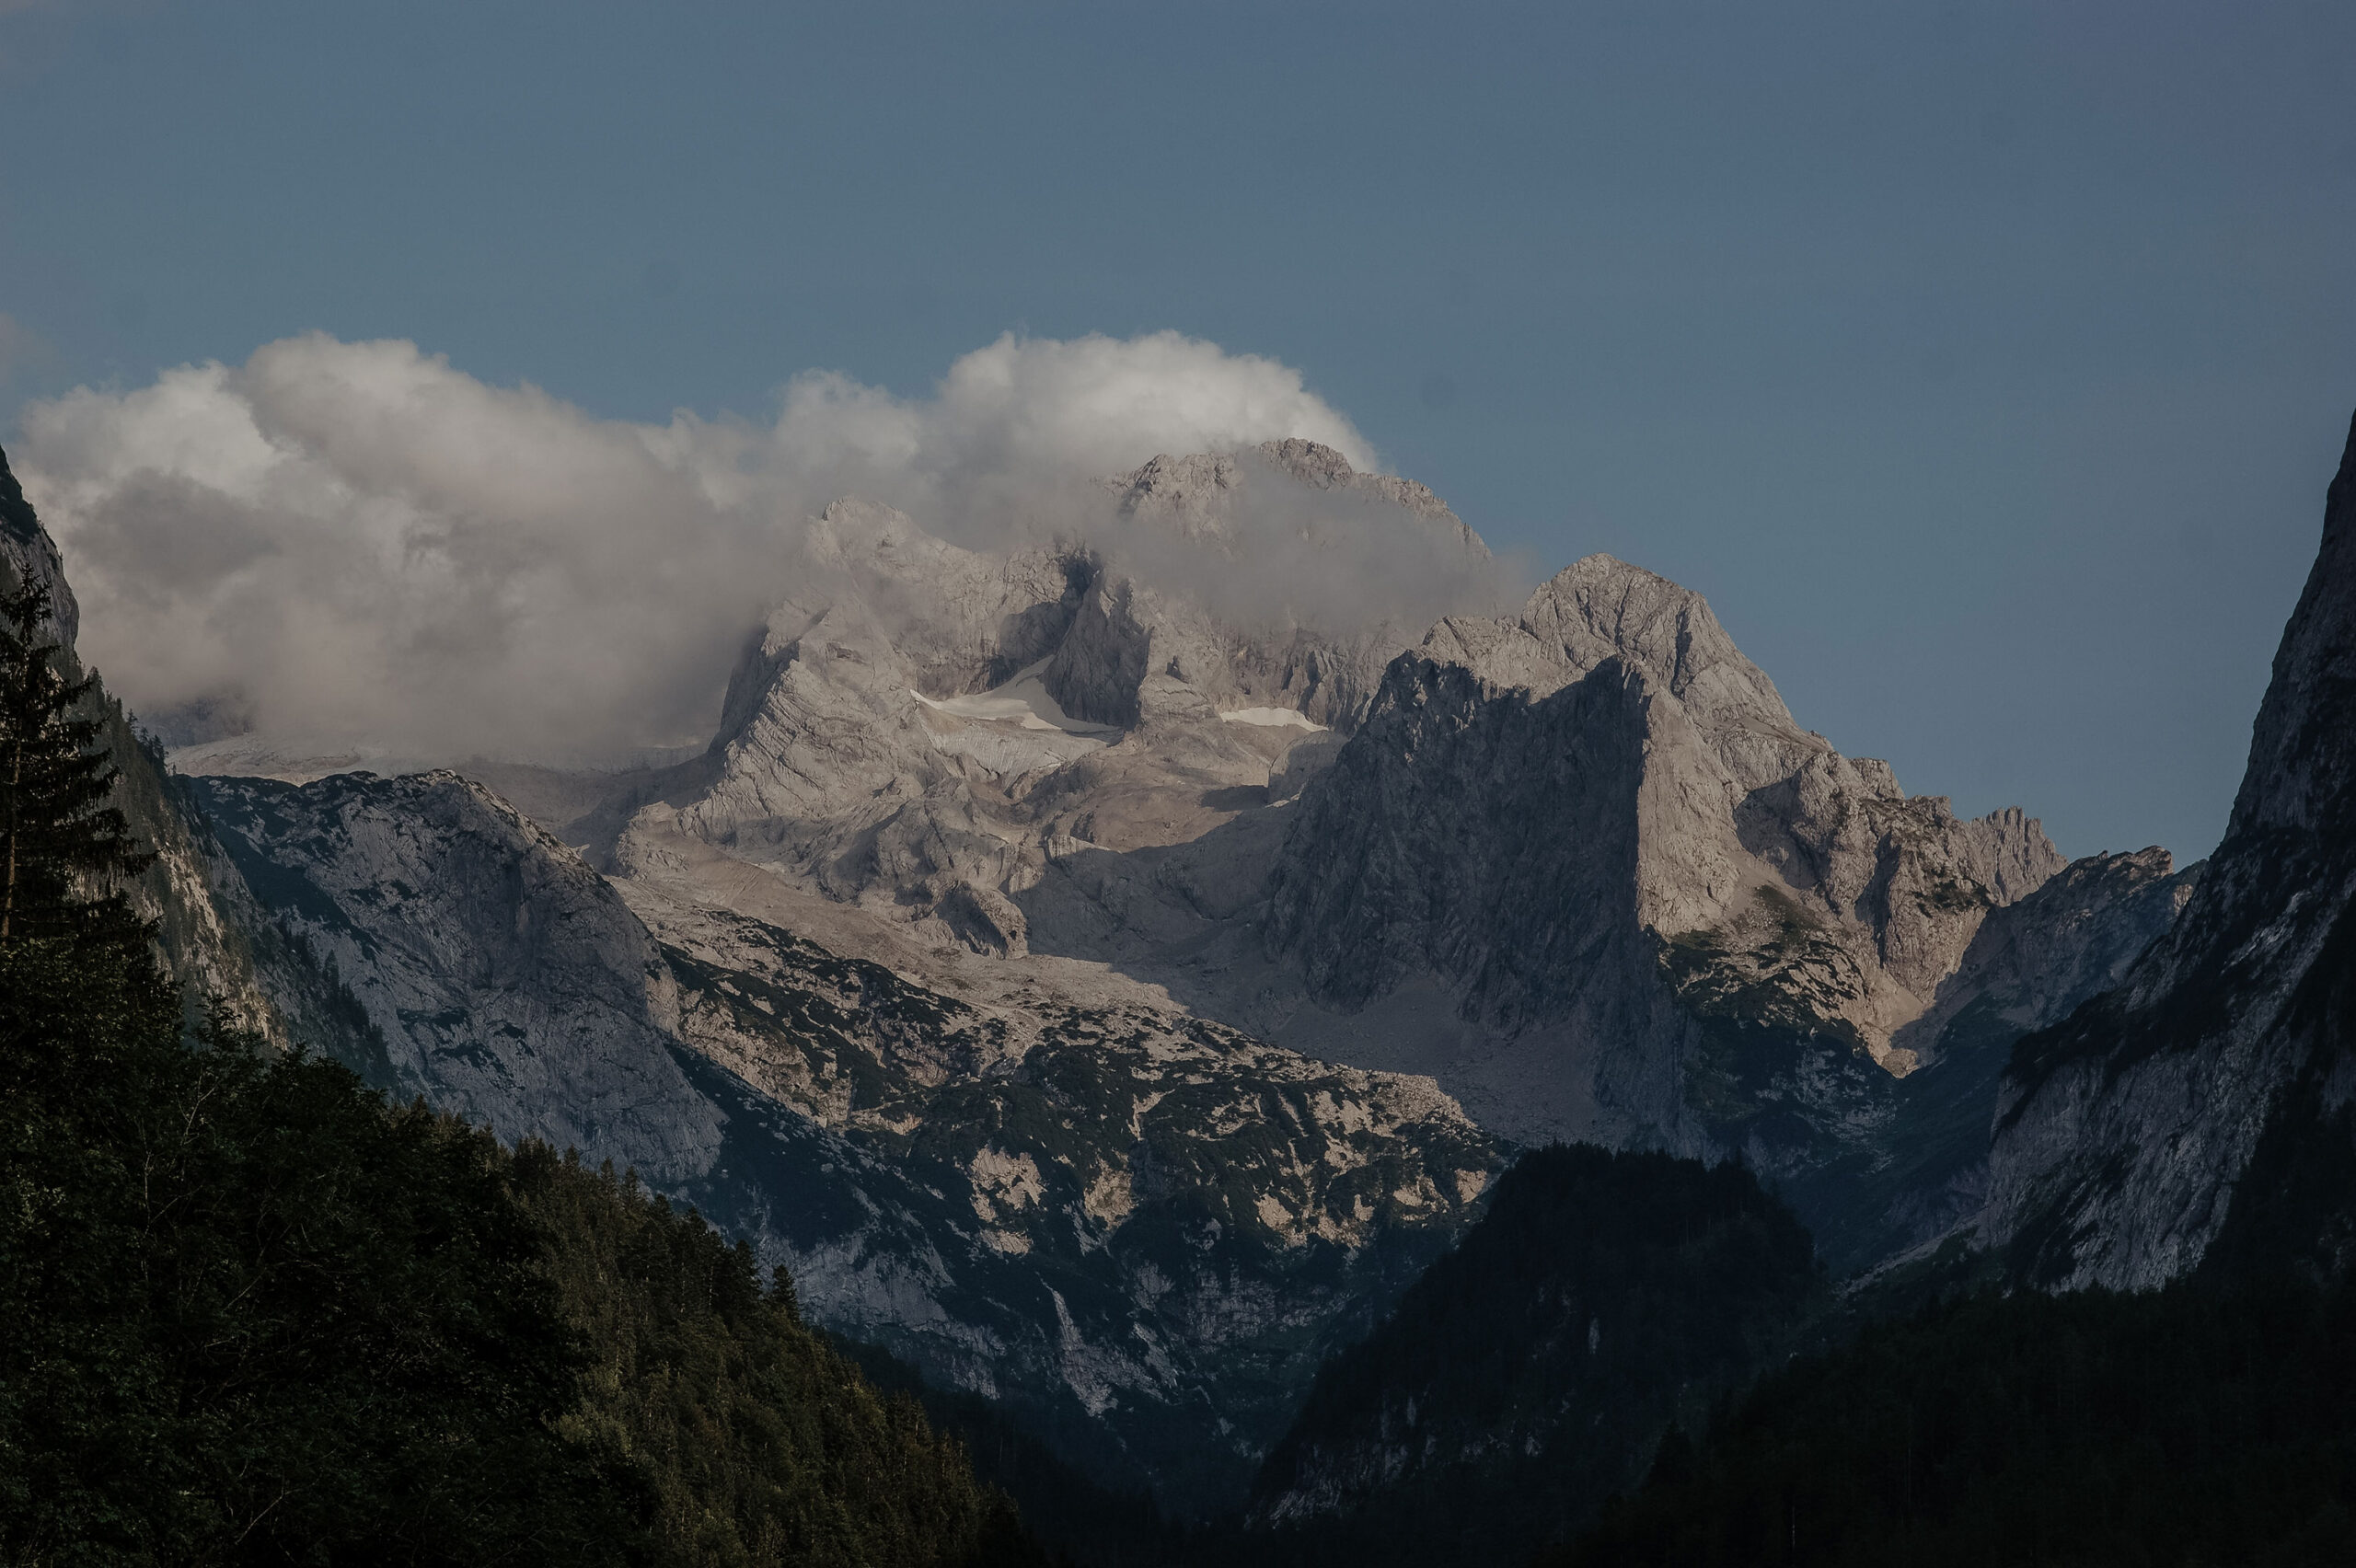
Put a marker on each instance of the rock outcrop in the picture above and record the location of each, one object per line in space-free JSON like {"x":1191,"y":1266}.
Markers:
{"x":1138,"y":1231}
{"x":27,"y":551}
{"x":2031,"y":964}
{"x":504,"y":979}
{"x":1616,"y":724}
{"x":201,"y":909}
{"x":2205,"y":1111}
{"x":1596,"y":830}
{"x":922,"y":728}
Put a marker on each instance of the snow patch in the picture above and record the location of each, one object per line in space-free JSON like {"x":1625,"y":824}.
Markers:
{"x":1270,"y":717}
{"x":1021,"y":701}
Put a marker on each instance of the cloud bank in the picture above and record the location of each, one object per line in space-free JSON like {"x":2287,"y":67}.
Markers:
{"x":357,"y":541}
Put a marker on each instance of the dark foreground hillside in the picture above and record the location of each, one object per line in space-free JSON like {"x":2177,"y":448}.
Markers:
{"x":273,"y":1321}
{"x":248,"y":1314}
{"x":2194,"y":1425}
{"x":1529,"y":1374}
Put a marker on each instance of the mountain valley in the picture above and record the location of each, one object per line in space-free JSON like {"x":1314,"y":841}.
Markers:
{"x":1576,"y":871}
{"x":1125,"y":1002}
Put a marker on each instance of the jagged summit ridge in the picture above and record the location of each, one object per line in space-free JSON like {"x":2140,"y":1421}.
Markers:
{"x":877,"y":745}
{"x":1197,"y":494}
{"x":1600,"y":609}
{"x":1562,"y":859}
{"x":1721,"y":806}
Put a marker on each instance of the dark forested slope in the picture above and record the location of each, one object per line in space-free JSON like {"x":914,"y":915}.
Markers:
{"x":1528,"y":1373}
{"x":2185,"y":1426}
{"x":253,"y":1315}
{"x":2189,"y":1133}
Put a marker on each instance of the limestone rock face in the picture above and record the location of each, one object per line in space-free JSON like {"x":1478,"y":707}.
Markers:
{"x":923,"y":729}
{"x":1140,"y":1230}
{"x":2200,"y":1113}
{"x":1610,"y":760}
{"x":27,"y":550}
{"x":200,"y":907}
{"x":1600,"y":609}
{"x":1739,"y":809}
{"x":504,"y":978}
{"x":2031,"y":964}
{"x":1596,"y":832}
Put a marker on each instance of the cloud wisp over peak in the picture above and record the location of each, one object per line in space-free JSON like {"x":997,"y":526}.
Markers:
{"x":358,"y":541}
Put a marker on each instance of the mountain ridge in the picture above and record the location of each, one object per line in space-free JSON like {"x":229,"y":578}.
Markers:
{"x":1577,"y":864}
{"x":2129,"y":1142}
{"x":1569,"y":862}
{"x":1138,"y":1228}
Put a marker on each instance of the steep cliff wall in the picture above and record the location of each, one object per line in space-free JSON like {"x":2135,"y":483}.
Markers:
{"x":200,"y":907}
{"x":1140,"y":1231}
{"x":504,"y":978}
{"x":2208,"y":1104}
{"x":1597,"y":832}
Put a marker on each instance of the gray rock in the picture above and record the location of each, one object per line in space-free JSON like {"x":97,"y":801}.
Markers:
{"x":1199,"y":495}
{"x":2030,"y":965}
{"x":2200,"y":1113}
{"x":1138,"y":1230}
{"x":1609,"y":774}
{"x":922,"y":727}
{"x":507,"y":981}
{"x":27,"y":550}
{"x":200,"y":907}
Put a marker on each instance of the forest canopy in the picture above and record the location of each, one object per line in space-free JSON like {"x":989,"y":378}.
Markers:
{"x":257,"y":1315}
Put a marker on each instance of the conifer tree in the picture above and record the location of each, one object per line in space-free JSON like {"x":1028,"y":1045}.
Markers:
{"x":55,"y":827}
{"x":249,"y":1315}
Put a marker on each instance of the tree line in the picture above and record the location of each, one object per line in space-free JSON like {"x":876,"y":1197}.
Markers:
{"x":250,"y":1313}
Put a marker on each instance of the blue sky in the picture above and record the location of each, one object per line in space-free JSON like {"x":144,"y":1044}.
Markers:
{"x":1983,"y":364}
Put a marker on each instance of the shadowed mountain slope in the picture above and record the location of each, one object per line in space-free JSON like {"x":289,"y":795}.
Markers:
{"x":2208,"y":1104}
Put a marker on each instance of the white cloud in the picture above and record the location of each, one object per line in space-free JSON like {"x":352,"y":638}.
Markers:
{"x":357,"y":540}
{"x":1012,"y":420}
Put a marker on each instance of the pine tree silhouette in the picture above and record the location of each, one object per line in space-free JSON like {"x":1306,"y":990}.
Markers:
{"x":60,"y":845}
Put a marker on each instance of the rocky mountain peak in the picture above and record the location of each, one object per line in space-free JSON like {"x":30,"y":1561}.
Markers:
{"x":1596,"y":829}
{"x":2205,"y":1105}
{"x":1189,"y":491}
{"x":1600,"y":609}
{"x":2302,"y":749}
{"x":1599,"y":606}
{"x":1197,"y":494}
{"x":1316,"y":463}
{"x":1321,"y":468}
